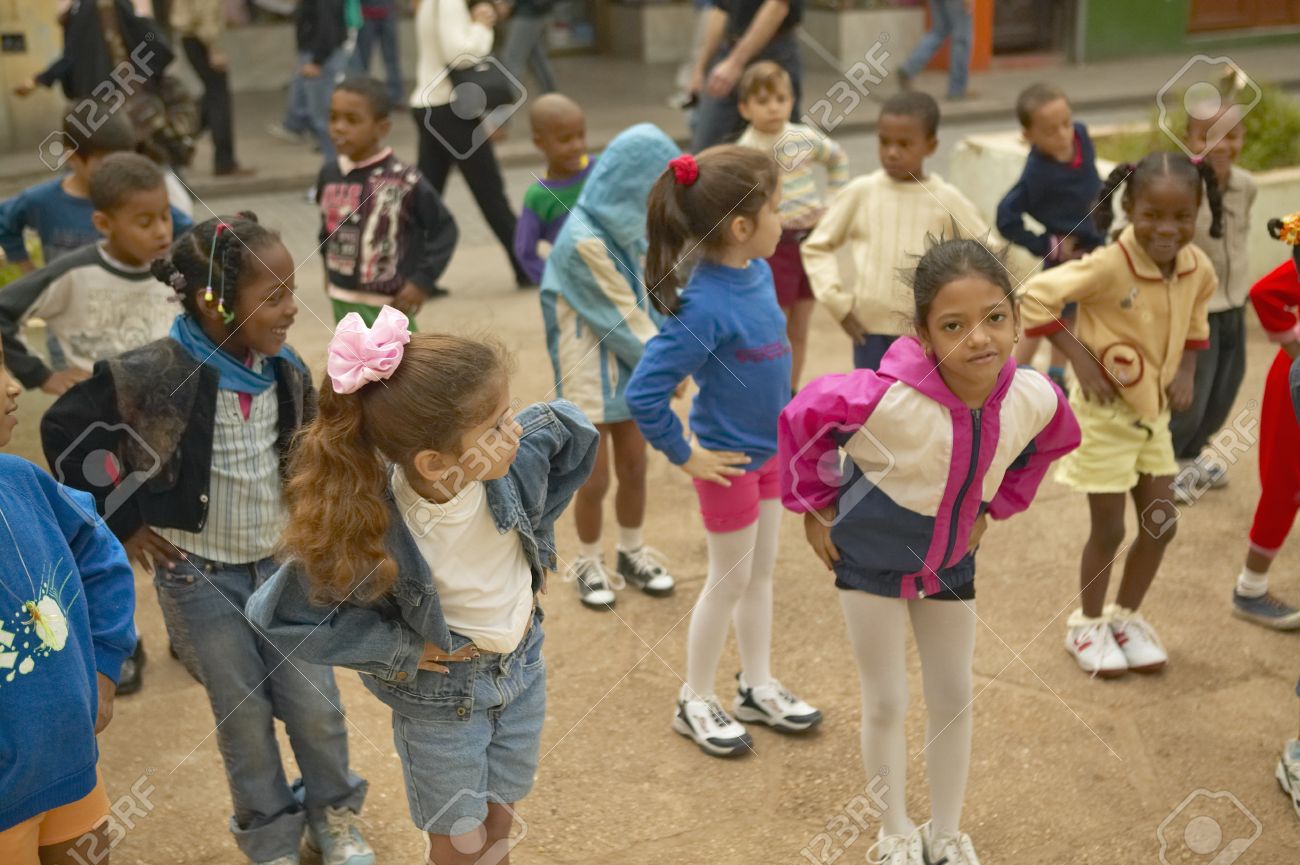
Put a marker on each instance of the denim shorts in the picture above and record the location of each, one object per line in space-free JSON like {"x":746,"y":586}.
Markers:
{"x":489,"y":752}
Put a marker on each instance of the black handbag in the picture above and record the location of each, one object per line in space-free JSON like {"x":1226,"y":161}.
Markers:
{"x":482,"y":88}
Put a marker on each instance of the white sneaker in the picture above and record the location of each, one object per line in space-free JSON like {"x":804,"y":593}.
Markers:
{"x":1288,"y":773}
{"x":596,"y":586}
{"x":338,"y":840}
{"x":948,"y":849}
{"x":1137,"y":640}
{"x":897,"y":849}
{"x":1093,"y":646}
{"x":706,"y":722}
{"x":774,"y":706}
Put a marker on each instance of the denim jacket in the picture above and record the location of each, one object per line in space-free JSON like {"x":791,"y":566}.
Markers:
{"x":385,"y":639}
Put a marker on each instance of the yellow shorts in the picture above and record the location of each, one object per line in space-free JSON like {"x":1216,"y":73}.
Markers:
{"x":1117,"y":446}
{"x":19,"y":845}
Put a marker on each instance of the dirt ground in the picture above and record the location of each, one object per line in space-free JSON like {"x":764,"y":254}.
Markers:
{"x":1065,"y":769}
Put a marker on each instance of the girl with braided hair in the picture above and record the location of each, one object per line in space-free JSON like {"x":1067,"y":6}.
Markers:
{"x":1143,"y":304}
{"x":197,"y":428}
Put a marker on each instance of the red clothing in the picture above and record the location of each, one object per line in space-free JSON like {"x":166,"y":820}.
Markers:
{"x":1275,"y":298}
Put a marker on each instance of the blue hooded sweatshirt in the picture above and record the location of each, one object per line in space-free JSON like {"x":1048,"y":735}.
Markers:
{"x":55,"y":553}
{"x":593,"y":289}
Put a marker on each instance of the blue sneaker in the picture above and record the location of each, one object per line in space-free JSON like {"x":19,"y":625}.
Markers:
{"x":1288,"y":773}
{"x":338,"y":840}
{"x":1267,"y":610}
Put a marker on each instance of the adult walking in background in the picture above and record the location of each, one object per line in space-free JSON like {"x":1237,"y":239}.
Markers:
{"x":526,"y":43}
{"x":948,"y":18}
{"x":450,"y":31}
{"x":738,"y":33}
{"x":200,"y":25}
{"x":379,"y":25}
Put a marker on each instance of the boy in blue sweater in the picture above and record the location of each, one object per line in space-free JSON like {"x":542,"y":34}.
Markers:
{"x":1058,"y":189}
{"x":67,"y":597}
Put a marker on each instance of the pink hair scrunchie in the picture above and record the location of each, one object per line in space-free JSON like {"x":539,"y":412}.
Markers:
{"x":685,"y":169}
{"x":359,"y":355}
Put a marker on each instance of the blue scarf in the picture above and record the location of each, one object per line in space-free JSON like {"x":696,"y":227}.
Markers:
{"x":234,"y":375}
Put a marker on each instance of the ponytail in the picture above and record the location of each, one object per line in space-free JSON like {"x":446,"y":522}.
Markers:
{"x":338,"y":515}
{"x":692,"y":204}
{"x":1103,"y":215}
{"x":1213,"y":195}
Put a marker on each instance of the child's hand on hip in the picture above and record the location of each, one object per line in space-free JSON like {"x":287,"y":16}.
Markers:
{"x":107,"y":691}
{"x":715,"y":466}
{"x":854,"y":329}
{"x":817,"y":527}
{"x":409,"y":299}
{"x":150,"y":550}
{"x":977,"y":532}
{"x":1095,"y":382}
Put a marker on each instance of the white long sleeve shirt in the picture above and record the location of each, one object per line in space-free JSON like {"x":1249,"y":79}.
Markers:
{"x":445,"y":34}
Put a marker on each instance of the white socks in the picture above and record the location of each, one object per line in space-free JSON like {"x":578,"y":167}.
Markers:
{"x":629,"y":539}
{"x":1251,"y":584}
{"x":589,"y":551}
{"x":739,"y":590}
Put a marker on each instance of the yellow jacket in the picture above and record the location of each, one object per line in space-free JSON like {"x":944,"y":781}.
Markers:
{"x":1135,"y":322}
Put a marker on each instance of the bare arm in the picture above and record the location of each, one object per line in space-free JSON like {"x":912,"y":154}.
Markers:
{"x":723,"y":77}
{"x":714,"y":29}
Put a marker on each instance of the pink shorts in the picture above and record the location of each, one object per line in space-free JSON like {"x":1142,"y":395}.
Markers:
{"x":729,"y":509}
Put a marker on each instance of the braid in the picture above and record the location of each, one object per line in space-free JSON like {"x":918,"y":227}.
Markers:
{"x":1213,"y":195}
{"x":213,"y":254}
{"x":1104,"y":213}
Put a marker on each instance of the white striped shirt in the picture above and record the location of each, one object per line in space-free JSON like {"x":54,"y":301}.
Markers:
{"x":245,"y":504}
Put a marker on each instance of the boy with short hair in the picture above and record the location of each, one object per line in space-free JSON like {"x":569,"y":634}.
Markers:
{"x":560,"y":133}
{"x":766,"y":95}
{"x":1058,"y":188}
{"x":60,"y":210}
{"x":385,"y":233}
{"x":885,"y":217}
{"x":100,"y":300}
{"x":65,"y":630}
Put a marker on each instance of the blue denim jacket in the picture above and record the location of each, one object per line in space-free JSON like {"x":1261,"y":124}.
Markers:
{"x":384,"y":640}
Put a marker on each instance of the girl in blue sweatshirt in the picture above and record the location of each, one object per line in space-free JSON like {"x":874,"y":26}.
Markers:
{"x":725,"y":329}
{"x":67,"y":598}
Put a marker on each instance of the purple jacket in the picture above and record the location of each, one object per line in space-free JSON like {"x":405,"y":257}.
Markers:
{"x":922,"y":466}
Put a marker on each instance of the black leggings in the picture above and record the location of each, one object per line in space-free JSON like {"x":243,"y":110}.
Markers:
{"x":218,"y":115}
{"x":461,"y":142}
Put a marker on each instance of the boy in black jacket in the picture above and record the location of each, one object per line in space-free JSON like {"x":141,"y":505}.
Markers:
{"x":385,"y":234}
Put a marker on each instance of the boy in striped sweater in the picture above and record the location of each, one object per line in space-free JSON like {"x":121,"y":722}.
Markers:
{"x":885,"y":217}
{"x":766,"y":95}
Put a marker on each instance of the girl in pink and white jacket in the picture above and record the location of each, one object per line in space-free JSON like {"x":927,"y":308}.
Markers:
{"x":947,"y":433}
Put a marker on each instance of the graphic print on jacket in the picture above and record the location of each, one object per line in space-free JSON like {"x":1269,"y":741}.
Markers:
{"x":921,"y":467}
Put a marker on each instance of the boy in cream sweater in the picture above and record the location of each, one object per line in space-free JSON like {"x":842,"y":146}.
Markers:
{"x":885,"y":217}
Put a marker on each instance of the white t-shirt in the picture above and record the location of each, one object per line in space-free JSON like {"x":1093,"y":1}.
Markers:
{"x":484,"y":581}
{"x":444,"y":33}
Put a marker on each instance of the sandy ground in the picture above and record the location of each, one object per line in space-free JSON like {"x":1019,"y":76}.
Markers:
{"x":1065,"y":769}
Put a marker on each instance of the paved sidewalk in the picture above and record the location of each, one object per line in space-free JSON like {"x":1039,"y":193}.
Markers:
{"x":617,"y":93}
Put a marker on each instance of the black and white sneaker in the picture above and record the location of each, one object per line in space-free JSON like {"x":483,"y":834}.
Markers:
{"x":644,"y":568}
{"x":774,"y":706}
{"x":709,"y":725}
{"x":595,"y":585}
{"x":128,"y":681}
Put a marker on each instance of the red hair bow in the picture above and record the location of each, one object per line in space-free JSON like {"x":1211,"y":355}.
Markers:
{"x":685,"y":169}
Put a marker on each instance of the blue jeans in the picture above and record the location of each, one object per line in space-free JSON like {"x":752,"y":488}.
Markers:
{"x":309,"y":98}
{"x":526,"y":46}
{"x":947,"y":18}
{"x":869,"y":354}
{"x":383,"y":31}
{"x":250,"y":684}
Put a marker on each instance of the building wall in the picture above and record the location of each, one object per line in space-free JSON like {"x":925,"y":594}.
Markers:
{"x":1126,"y":28}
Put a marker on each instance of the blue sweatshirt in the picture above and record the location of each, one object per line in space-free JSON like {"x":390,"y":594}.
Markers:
{"x":62,"y":221}
{"x":1060,"y":195}
{"x":730,"y":335}
{"x":56,"y":552}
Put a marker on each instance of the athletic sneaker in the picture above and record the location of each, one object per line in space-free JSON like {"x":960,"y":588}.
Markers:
{"x":338,"y":840}
{"x":1137,"y":640}
{"x":1216,"y":474}
{"x":774,"y":706}
{"x":1093,"y":646}
{"x":948,"y":849}
{"x":595,"y":585}
{"x":1267,"y":610}
{"x":284,"y":133}
{"x":282,"y":860}
{"x":706,"y":722}
{"x":129,"y":681}
{"x":1288,"y":773}
{"x":897,"y":849}
{"x":644,"y":568}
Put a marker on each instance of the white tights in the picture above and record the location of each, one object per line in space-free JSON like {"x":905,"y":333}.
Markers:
{"x":945,"y":638}
{"x":739,"y":588}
